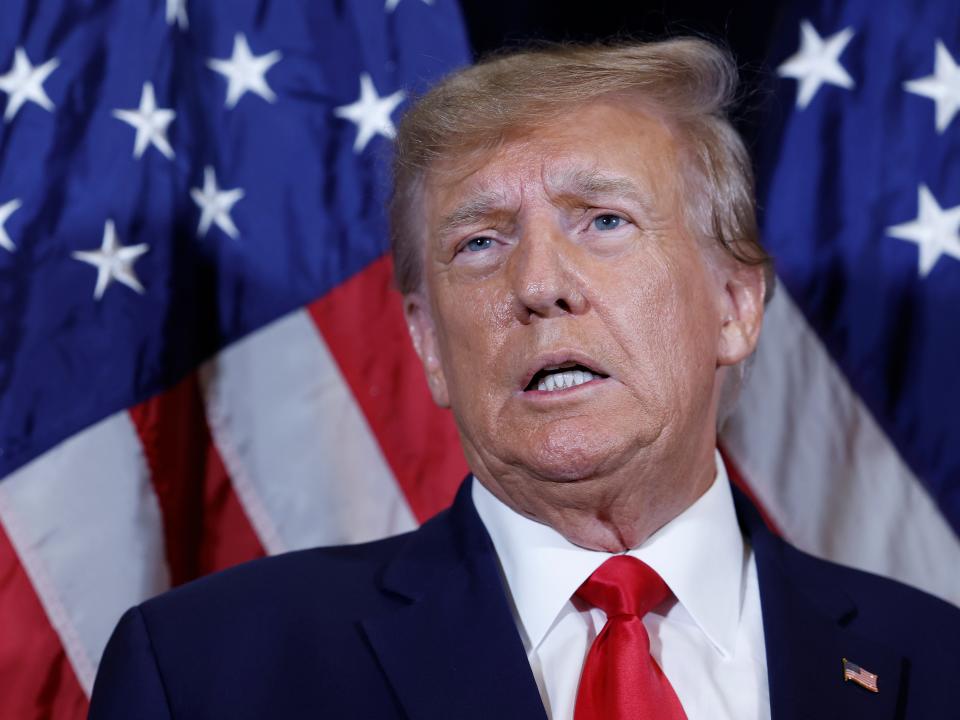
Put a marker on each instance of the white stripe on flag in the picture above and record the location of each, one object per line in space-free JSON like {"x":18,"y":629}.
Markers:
{"x":302,"y":458}
{"x":824,"y":469}
{"x":86,"y":525}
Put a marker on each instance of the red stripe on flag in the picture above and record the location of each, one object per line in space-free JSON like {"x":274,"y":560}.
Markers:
{"x":205,"y":527}
{"x":228,"y":535}
{"x":362,"y":324}
{"x":736,"y":477}
{"x":36,"y":678}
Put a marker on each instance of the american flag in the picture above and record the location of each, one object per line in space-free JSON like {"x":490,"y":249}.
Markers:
{"x":201,"y":358}
{"x":847,"y":431}
{"x":863,"y":678}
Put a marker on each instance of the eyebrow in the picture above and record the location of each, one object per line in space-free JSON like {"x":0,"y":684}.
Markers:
{"x":484,"y":206}
{"x":572,"y":187}
{"x":590,"y":184}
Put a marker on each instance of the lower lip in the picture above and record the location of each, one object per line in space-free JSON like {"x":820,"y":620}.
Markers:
{"x":565,"y":392}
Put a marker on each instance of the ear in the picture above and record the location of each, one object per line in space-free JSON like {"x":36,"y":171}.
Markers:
{"x":742,"y":308}
{"x":419,"y":317}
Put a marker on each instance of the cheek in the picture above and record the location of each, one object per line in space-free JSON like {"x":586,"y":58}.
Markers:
{"x":667,"y":325}
{"x":692,"y":332}
{"x":470,"y":337}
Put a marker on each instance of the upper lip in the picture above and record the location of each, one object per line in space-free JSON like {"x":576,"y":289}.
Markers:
{"x":557,"y":358}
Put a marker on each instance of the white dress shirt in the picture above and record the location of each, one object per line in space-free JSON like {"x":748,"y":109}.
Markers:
{"x":709,"y":641}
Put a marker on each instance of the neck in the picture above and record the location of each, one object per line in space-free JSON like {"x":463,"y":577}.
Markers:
{"x":613,"y":512}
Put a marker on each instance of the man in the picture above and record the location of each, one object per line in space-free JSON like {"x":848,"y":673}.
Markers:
{"x":575,"y":240}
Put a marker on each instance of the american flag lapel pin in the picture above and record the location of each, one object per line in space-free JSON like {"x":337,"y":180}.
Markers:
{"x":863,"y":678}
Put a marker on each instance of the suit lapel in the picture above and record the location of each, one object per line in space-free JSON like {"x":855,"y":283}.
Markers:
{"x":809,"y":627}
{"x":454,"y":651}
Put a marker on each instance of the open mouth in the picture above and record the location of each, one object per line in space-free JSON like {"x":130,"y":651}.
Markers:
{"x":562,"y":377}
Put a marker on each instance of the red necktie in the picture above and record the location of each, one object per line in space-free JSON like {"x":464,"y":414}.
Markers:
{"x":620,"y":679}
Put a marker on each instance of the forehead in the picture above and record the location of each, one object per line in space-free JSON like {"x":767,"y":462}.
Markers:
{"x":601,"y":146}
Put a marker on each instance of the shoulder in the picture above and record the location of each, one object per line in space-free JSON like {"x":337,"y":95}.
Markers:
{"x":906,"y":618}
{"x":339,"y":579}
{"x":870,"y":605}
{"x":326,"y":588}
{"x":250,"y":641}
{"x":255,"y":640}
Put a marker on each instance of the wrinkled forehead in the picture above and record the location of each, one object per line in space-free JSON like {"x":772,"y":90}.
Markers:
{"x":606,"y":147}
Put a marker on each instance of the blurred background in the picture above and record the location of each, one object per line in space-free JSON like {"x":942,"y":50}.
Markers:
{"x":203,"y":361}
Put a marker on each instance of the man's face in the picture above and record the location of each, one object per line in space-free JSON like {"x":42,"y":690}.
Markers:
{"x":568,"y":316}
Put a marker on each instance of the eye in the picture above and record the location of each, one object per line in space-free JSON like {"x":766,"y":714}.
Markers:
{"x":608,"y":222}
{"x":478,"y":243}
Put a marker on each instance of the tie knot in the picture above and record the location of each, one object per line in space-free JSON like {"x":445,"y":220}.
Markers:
{"x":624,"y":585}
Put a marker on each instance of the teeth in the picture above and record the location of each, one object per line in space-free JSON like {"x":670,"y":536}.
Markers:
{"x":563,"y":380}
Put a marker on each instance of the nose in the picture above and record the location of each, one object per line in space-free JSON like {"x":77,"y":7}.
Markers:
{"x":544,"y":276}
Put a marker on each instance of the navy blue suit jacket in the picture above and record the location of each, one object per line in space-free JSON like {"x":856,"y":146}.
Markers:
{"x":418,"y":626}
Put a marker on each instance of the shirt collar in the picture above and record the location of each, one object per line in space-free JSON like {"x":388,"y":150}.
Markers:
{"x":700,"y":554}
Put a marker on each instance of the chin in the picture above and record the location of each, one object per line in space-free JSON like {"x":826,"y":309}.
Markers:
{"x":569,"y":456}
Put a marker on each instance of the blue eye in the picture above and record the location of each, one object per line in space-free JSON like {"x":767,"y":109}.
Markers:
{"x":478,"y":243}
{"x":608,"y":222}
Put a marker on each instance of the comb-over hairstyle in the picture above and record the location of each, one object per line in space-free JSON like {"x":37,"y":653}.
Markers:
{"x":688,"y":83}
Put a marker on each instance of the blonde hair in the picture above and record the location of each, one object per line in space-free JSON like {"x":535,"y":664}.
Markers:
{"x":689,"y":82}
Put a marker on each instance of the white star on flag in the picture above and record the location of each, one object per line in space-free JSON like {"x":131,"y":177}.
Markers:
{"x":177,"y":13}
{"x":392,"y":4}
{"x":113,"y":261}
{"x":935,"y":231}
{"x":943,"y":87}
{"x":150,"y":122}
{"x":245,"y":71}
{"x":6,"y":210}
{"x":370,"y":113}
{"x":817,"y":62}
{"x":215,"y":204}
{"x":24,"y":82}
